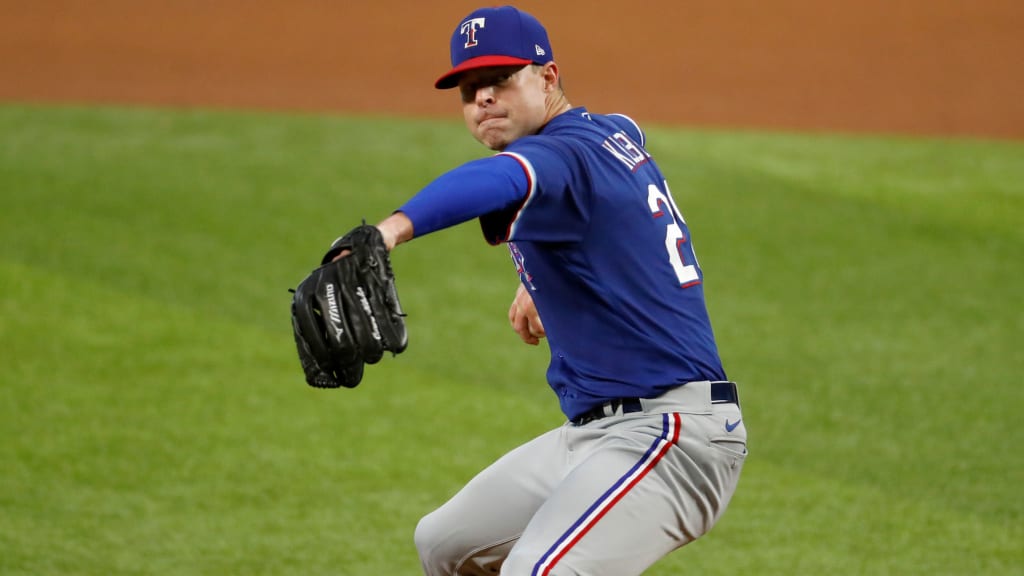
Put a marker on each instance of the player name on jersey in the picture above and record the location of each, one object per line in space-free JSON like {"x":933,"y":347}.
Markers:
{"x":625,"y":150}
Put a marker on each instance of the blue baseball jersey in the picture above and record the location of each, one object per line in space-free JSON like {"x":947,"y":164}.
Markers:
{"x":603,"y":250}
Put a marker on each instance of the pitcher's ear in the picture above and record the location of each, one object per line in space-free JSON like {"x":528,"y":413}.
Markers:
{"x":551,"y":76}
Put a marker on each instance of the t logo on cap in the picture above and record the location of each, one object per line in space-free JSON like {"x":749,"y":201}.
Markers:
{"x":469,"y":28}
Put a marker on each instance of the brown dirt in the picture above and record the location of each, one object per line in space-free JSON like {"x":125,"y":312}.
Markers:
{"x":949,"y":67}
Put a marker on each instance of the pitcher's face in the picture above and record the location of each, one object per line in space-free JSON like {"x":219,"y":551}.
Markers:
{"x":504,"y":103}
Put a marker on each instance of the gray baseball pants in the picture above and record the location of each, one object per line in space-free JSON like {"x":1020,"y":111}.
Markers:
{"x":607,"y":498}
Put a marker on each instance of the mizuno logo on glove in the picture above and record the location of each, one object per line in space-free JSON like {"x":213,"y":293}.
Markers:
{"x":334,"y":311}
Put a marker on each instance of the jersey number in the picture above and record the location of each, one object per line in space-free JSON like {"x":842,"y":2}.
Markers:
{"x":661,"y":204}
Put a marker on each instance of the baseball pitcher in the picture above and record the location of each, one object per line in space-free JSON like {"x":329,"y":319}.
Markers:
{"x":653,"y":441}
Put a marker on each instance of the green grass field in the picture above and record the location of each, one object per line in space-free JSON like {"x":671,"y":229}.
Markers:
{"x":867,"y":293}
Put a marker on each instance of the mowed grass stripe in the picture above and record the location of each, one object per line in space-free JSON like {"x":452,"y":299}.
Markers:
{"x":815,"y":524}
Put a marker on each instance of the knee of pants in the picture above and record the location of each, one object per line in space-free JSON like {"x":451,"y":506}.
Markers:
{"x":446,"y":550}
{"x":429,"y":539}
{"x":440,"y":545}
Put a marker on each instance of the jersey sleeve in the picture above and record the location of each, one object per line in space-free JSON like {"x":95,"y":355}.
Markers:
{"x":556,"y":207}
{"x":476,"y":188}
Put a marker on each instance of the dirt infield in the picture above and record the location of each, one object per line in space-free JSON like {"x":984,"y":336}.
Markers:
{"x":947,"y":67}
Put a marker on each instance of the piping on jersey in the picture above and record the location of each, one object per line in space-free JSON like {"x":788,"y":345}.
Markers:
{"x":669,"y":436}
{"x":531,"y":187}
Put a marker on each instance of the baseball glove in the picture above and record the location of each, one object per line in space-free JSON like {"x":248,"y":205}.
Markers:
{"x":346,"y":312}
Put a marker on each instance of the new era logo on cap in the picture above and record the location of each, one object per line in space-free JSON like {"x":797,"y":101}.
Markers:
{"x":503,"y":36}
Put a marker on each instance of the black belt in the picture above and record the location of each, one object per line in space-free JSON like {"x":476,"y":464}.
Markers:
{"x":721,"y":393}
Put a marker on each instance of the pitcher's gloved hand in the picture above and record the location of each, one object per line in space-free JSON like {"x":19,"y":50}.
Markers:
{"x":346,"y":313}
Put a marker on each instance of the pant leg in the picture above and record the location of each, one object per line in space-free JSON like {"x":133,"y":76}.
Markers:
{"x":650,"y":484}
{"x":473,"y":532}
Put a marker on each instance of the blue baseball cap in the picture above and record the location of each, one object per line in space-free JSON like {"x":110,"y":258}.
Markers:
{"x":501,"y":36}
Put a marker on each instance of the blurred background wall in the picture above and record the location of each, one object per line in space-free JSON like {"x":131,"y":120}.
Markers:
{"x":936,"y":67}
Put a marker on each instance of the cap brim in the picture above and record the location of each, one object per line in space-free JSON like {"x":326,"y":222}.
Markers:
{"x":451,"y":78}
